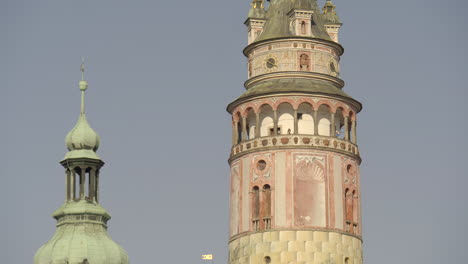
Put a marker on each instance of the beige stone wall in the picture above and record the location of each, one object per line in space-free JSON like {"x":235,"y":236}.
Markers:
{"x":295,"y":247}
{"x":287,"y":58}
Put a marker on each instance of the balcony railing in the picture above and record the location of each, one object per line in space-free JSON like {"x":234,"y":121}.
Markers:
{"x":323,"y":142}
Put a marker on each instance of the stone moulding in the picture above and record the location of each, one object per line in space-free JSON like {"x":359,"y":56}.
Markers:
{"x":321,"y":229}
{"x":297,"y":142}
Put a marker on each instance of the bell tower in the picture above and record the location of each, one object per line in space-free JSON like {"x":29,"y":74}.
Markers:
{"x":81,"y":236}
{"x":294,"y":162}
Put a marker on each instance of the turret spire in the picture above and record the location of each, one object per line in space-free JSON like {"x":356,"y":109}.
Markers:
{"x":81,"y":235}
{"x":82,"y":141}
{"x":83,"y":86}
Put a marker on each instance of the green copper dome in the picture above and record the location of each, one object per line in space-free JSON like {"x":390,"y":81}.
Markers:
{"x":81,"y":236}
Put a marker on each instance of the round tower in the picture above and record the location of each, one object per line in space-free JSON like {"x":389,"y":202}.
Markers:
{"x":295,"y":195}
{"x":81,"y":236}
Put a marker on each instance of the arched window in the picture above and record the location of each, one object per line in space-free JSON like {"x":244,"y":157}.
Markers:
{"x":355,"y":212}
{"x":266,"y":121}
{"x":251,"y":124}
{"x":266,"y":206}
{"x":255,"y":208}
{"x":323,"y":117}
{"x":285,"y":119}
{"x":303,"y":28}
{"x":349,"y":209}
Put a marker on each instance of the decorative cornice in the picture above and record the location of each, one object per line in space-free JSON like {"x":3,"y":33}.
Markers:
{"x":295,"y":229}
{"x":339,"y":83}
{"x":310,"y":142}
{"x":357,"y":105}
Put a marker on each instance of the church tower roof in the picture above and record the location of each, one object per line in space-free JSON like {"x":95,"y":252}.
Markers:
{"x":257,"y":10}
{"x":81,"y":236}
{"x":277,"y":23}
{"x":329,"y":13}
{"x":82,"y":141}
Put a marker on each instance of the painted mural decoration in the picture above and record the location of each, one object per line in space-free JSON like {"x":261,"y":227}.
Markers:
{"x":235,"y":197}
{"x":261,"y":168}
{"x":309,"y":191}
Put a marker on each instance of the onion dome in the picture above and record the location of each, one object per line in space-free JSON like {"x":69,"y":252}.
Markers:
{"x":82,"y":141}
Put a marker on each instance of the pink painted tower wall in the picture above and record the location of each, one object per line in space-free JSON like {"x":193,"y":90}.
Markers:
{"x":294,"y":195}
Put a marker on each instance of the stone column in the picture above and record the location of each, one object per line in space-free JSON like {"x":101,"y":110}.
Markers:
{"x":346,"y":128}
{"x":315,"y":122}
{"x":92,"y":184}
{"x":244,"y":129}
{"x":233,"y":137}
{"x":97,"y":186}
{"x":275,"y":122}
{"x":72,"y":184}
{"x":296,"y":123}
{"x":257,"y":125}
{"x":332,"y":125}
{"x":82,"y":182}
{"x":235,"y":133}
{"x":67,"y":185}
{"x":353,"y":129}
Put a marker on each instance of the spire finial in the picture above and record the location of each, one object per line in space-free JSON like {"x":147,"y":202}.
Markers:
{"x":82,"y":68}
{"x":83,"y":85}
{"x":82,"y":141}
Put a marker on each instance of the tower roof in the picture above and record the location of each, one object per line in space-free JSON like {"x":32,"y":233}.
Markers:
{"x":329,"y":14}
{"x":81,"y":236}
{"x":277,"y":20}
{"x":82,"y":141}
{"x":257,"y":10}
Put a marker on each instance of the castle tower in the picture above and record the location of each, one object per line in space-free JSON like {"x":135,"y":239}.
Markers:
{"x":295,"y":183}
{"x":81,"y":236}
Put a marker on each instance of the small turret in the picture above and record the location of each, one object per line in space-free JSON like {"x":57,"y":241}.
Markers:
{"x":255,"y":20}
{"x":81,"y":235}
{"x":331,"y":20}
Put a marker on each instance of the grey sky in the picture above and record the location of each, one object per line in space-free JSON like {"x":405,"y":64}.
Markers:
{"x":160,"y":75}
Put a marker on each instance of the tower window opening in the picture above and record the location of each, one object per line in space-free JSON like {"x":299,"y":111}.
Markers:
{"x":261,"y":165}
{"x":266,"y":206}
{"x":299,"y":116}
{"x":87,"y":185}
{"x":304,"y":62}
{"x":303,"y":27}
{"x":267,"y":259}
{"x":76,"y":183}
{"x":256,"y":208}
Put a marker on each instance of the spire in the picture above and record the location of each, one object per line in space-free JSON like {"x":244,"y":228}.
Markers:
{"x":81,"y":235}
{"x":257,"y":10}
{"x":82,"y":141}
{"x":329,"y":13}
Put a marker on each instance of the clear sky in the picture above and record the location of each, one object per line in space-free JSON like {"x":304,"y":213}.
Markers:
{"x":160,"y":75}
